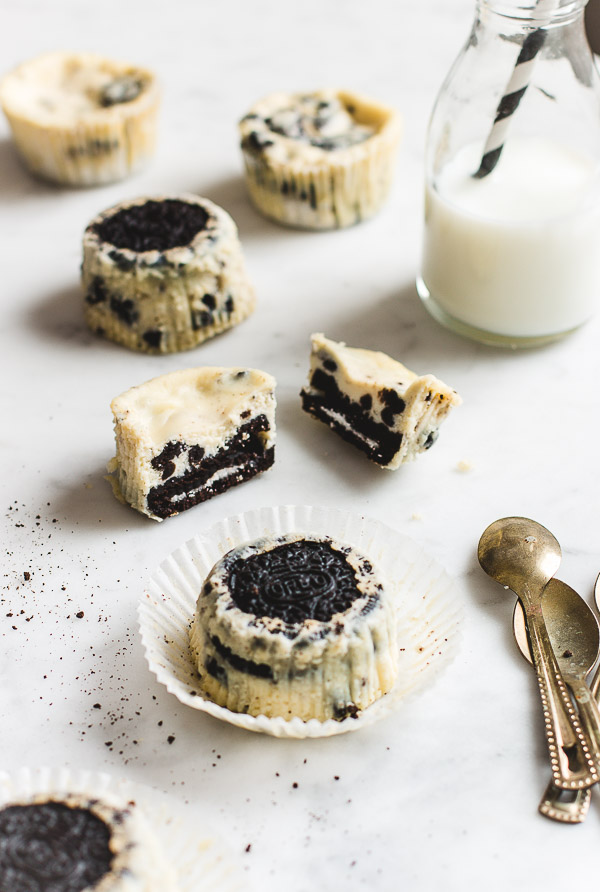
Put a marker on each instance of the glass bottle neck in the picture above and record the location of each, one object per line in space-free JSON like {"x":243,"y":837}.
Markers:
{"x":534,"y":12}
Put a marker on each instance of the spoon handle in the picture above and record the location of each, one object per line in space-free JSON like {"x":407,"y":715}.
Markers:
{"x":595,"y":685}
{"x":572,"y":766}
{"x":589,"y":713}
{"x":554,"y":803}
{"x":568,"y":809}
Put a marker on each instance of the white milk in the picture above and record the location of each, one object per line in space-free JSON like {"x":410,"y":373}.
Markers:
{"x":516,"y":253}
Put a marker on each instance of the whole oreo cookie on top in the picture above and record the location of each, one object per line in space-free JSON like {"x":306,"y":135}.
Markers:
{"x":52,"y":846}
{"x":294,"y":582}
{"x":163,"y":274}
{"x":295,"y":626}
{"x":154,"y":225}
{"x":78,"y":843}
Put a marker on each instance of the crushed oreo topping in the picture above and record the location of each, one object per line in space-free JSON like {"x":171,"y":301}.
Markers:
{"x":154,"y":225}
{"x":121,"y":89}
{"x":294,"y":582}
{"x":325,"y":124}
{"x":49,"y":847}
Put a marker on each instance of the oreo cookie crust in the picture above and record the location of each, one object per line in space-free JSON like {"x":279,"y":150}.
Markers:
{"x":319,"y":160}
{"x":77,"y":843}
{"x":296,"y":626}
{"x":184,"y":437}
{"x":164,"y":274}
{"x":374,"y":402}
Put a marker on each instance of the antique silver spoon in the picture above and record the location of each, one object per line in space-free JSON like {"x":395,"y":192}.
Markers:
{"x":575,"y":636}
{"x":523,"y":556}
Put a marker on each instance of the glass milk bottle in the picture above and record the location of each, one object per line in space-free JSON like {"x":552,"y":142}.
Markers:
{"x":511,"y":252}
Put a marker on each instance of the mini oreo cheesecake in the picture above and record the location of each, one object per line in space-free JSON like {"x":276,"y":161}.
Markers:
{"x":77,"y":843}
{"x":81,"y":119}
{"x":163,"y":274}
{"x":295,"y":626}
{"x":374,"y":402}
{"x":319,"y":160}
{"x":187,"y":436}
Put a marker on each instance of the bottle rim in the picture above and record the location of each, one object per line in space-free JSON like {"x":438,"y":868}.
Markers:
{"x":538,"y":12}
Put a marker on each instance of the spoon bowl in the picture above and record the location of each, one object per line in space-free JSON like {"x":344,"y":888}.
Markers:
{"x":516,"y":551}
{"x":572,"y":627}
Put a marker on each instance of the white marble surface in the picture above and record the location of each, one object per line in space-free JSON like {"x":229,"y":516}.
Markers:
{"x":443,"y":794}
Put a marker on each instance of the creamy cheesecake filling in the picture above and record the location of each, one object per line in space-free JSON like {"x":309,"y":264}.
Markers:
{"x":61,"y":88}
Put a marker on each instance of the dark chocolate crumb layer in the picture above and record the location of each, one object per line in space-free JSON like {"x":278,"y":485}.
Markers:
{"x":249,"y":667}
{"x":154,"y":225}
{"x":49,"y":847}
{"x":244,"y":454}
{"x":372,"y":437}
{"x":294,"y":582}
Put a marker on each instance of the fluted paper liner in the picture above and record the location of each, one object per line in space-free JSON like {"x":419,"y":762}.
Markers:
{"x":428,"y":605}
{"x":202,"y":863}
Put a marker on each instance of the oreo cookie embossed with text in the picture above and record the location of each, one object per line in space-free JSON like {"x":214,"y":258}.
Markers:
{"x":296,"y":626}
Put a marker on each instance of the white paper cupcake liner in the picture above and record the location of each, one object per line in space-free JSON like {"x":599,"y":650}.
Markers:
{"x":202,"y":863}
{"x":429,"y":609}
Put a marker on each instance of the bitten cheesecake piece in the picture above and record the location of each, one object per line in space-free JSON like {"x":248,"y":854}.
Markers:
{"x":295,"y":626}
{"x":319,"y":160}
{"x":79,"y":843}
{"x":189,"y":435}
{"x":375,"y":402}
{"x":81,"y":119}
{"x":164,"y":274}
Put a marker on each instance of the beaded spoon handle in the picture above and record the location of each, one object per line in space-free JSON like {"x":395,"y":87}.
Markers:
{"x":555,"y":803}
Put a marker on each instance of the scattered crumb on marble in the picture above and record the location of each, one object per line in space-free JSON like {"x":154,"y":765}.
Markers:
{"x":464,"y":466}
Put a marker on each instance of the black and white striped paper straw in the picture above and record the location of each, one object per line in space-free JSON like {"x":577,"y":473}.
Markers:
{"x":514,"y":92}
